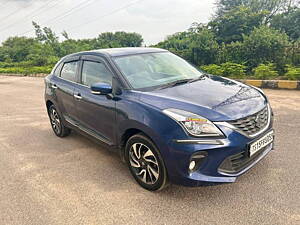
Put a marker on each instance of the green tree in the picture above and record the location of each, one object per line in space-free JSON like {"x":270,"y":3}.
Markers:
{"x":232,"y":52}
{"x":265,"y":45}
{"x":197,"y":45}
{"x":42,"y":54}
{"x":118,"y":39}
{"x":288,"y":22}
{"x":179,"y":44}
{"x":272,"y":7}
{"x":16,"y":49}
{"x":48,"y":38}
{"x":45,"y":34}
{"x":65,"y":35}
{"x":129,"y":39}
{"x":71,"y":46}
{"x":204,"y":47}
{"x":235,"y":23}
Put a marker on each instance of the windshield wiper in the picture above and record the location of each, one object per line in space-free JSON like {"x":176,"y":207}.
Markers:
{"x":175,"y":83}
{"x":183,"y":81}
{"x":197,"y":78}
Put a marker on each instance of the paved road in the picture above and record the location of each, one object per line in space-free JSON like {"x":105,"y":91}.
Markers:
{"x":47,"y":180}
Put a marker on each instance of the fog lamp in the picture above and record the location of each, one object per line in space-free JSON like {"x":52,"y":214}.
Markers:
{"x":196,"y":160}
{"x":192,"y":165}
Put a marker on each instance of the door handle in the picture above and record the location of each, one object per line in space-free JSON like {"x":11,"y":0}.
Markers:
{"x":54,"y":86}
{"x":77,"y":96}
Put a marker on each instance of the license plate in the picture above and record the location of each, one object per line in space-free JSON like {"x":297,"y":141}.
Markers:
{"x":261,"y":143}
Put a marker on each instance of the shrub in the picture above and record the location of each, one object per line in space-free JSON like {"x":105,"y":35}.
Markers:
{"x":213,"y":69}
{"x":233,"y":70}
{"x":21,"y":64}
{"x":293,"y":73}
{"x":27,"y":70}
{"x":228,"y":69}
{"x":265,"y":71}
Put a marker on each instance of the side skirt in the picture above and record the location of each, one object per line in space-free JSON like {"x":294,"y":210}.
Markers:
{"x":88,"y":131}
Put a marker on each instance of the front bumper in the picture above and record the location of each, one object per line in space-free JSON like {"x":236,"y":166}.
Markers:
{"x":215,"y":167}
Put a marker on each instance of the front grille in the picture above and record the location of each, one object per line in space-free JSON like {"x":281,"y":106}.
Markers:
{"x":253,"y":124}
{"x":236,"y":163}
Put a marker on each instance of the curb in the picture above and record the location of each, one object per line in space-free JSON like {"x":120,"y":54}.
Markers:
{"x":274,"y":84}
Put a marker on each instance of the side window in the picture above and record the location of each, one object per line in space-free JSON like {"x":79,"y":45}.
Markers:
{"x":57,"y":69}
{"x":68,"y":71}
{"x":95,"y":72}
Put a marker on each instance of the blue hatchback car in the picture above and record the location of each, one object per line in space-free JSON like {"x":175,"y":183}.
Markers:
{"x":169,"y":121}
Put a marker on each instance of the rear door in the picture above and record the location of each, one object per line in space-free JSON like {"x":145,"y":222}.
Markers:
{"x":64,"y":86}
{"x":96,"y":113}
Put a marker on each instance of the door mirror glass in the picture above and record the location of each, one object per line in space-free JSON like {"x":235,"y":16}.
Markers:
{"x":101,"y":89}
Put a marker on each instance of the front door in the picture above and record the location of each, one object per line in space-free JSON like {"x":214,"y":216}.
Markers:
{"x":96,"y":113}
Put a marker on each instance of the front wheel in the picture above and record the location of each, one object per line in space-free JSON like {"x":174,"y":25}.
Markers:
{"x":145,"y":163}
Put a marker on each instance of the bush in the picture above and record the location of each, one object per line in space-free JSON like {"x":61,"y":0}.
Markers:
{"x":228,"y":69}
{"x":27,"y":70}
{"x":233,"y":70}
{"x":26,"y":67}
{"x":14,"y":64}
{"x":265,"y":71}
{"x":51,"y":61}
{"x":293,"y":73}
{"x":213,"y":69}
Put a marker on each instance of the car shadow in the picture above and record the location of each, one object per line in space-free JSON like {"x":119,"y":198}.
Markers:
{"x":111,"y":174}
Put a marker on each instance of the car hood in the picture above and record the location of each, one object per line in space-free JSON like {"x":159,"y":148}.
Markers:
{"x":213,"y":97}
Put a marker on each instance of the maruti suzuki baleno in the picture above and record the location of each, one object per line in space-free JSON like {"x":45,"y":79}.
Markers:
{"x":169,"y":121}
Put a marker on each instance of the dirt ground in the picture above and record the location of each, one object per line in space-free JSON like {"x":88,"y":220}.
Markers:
{"x":48,"y":180}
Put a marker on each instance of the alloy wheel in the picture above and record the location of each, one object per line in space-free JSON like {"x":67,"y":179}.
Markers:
{"x":55,"y":121}
{"x":144,"y":163}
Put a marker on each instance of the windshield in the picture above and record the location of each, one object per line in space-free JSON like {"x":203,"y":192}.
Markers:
{"x":155,"y":69}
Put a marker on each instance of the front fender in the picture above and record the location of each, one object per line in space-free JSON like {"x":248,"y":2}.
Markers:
{"x":132,"y":114}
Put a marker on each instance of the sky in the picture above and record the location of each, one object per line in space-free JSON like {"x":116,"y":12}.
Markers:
{"x":153,"y":19}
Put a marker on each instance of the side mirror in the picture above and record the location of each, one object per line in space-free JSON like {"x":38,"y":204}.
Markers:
{"x":101,"y":89}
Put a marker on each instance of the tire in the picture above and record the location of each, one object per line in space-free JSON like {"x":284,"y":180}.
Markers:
{"x":145,"y":163}
{"x":56,"y":122}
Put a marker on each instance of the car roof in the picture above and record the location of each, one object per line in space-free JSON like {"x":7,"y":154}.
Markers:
{"x":114,"y":52}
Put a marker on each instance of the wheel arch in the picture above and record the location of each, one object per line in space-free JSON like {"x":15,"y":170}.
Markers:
{"x":49,"y":103}
{"x":131,"y":131}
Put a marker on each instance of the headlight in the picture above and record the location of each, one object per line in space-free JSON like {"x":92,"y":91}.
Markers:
{"x":194,"y":124}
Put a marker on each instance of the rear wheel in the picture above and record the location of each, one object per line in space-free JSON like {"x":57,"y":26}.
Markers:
{"x":57,"y":125}
{"x":145,"y":163}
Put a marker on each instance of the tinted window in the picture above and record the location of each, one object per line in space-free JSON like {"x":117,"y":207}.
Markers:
{"x":68,"y":71}
{"x":95,"y":72}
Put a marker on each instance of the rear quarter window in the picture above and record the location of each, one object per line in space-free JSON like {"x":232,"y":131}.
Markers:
{"x":57,"y":69}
